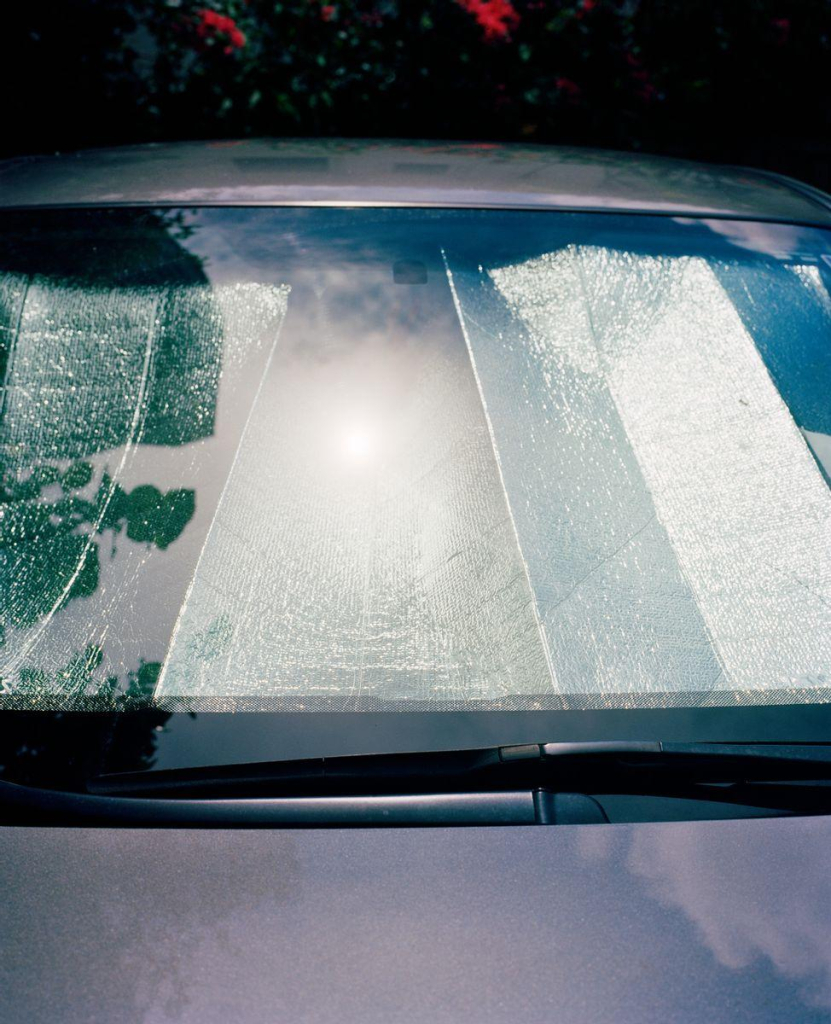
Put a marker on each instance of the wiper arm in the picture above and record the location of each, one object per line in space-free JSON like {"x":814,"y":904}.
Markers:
{"x":815,"y":752}
{"x":528,"y":784}
{"x":575,"y":762}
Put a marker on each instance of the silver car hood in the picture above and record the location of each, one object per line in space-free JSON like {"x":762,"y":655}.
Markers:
{"x":708,"y":921}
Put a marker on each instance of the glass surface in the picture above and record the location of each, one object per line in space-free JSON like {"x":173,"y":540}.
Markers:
{"x":411,"y":460}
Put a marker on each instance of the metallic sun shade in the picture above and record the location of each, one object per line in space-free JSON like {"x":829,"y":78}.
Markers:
{"x":572,"y":481}
{"x":362,"y":548}
{"x":115,"y":427}
{"x":676,"y":529}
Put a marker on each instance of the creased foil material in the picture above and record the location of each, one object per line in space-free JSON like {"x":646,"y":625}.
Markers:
{"x":676,"y":529}
{"x":616,"y":610}
{"x":576,"y":481}
{"x":87,"y":360}
{"x":362,"y":547}
{"x":115,"y":438}
{"x":743,"y":502}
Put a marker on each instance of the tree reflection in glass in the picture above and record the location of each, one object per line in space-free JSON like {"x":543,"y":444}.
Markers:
{"x":111,"y":352}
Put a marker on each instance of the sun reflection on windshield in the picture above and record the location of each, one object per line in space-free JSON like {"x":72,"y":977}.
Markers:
{"x":359,"y":443}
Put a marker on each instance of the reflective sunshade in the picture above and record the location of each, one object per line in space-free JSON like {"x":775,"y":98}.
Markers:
{"x":368,"y":460}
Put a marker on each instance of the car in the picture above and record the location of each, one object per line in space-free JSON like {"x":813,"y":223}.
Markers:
{"x":415,"y":587}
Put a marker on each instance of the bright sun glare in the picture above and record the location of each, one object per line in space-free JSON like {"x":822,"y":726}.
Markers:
{"x":359,"y":444}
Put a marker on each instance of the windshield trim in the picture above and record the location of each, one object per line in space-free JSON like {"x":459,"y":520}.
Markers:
{"x":503,"y":202}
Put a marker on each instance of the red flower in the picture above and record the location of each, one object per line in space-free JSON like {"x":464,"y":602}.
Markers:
{"x":588,"y":5}
{"x":372,"y":18}
{"x":571,"y":89}
{"x":212,"y":24}
{"x":782,"y":27}
{"x":327,"y":12}
{"x":497,"y":18}
{"x":645,"y":88}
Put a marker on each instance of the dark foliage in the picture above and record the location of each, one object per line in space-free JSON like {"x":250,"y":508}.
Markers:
{"x":734,"y":80}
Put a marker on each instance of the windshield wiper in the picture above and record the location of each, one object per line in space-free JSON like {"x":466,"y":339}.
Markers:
{"x":30,"y":805}
{"x":697,"y":761}
{"x":693,"y":757}
{"x":528,"y":784}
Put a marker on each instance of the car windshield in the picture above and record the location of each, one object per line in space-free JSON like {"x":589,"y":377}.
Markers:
{"x":321,"y":460}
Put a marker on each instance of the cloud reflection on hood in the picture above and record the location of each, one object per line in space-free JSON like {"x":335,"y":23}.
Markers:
{"x":747,"y":900}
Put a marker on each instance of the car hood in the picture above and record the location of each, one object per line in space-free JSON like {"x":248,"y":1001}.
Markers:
{"x":707,"y":921}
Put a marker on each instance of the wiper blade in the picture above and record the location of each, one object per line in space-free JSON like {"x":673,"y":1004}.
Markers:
{"x":679,"y":754}
{"x":575,"y":761}
{"x":546,"y":783}
{"x":794,"y":753}
{"x":695,"y":761}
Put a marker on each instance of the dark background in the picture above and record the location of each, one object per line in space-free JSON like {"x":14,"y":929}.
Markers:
{"x":742,"y":81}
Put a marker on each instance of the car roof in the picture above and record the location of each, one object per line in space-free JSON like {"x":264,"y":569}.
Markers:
{"x":383,"y":173}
